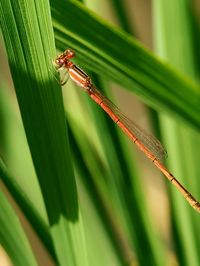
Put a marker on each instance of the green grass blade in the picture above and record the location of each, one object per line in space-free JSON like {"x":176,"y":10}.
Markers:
{"x":97,"y":194}
{"x":12,"y":236}
{"x":28,"y":36}
{"x":182,"y":142}
{"x":15,"y":151}
{"x":120,"y":10}
{"x":28,"y":209}
{"x":117,"y":56}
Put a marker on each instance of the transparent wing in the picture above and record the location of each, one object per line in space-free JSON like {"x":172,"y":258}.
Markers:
{"x":150,"y":142}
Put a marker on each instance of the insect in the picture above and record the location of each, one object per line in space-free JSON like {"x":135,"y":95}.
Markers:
{"x":147,"y":143}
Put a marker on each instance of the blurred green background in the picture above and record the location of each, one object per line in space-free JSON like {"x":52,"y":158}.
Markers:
{"x":88,"y":196}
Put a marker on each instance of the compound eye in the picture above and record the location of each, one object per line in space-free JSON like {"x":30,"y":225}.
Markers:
{"x":59,"y":62}
{"x":70,"y":53}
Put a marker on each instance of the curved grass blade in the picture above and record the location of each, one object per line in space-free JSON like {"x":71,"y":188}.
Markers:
{"x":117,"y":56}
{"x":28,"y":209}
{"x":12,"y":236}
